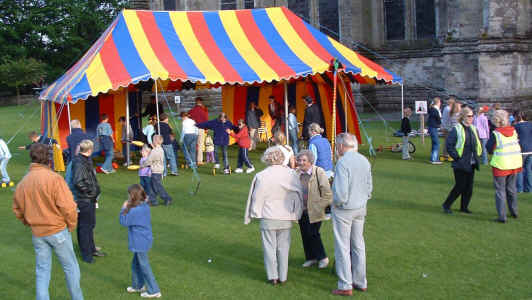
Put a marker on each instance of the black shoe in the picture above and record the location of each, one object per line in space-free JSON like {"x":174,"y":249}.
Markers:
{"x":515,"y":216}
{"x":168,"y":203}
{"x":88,"y":261}
{"x":98,"y":254}
{"x":466,"y":211}
{"x":446,"y":210}
{"x":499,"y":221}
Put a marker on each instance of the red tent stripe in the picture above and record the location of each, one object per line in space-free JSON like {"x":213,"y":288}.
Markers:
{"x":239,"y":104}
{"x":106,"y":105}
{"x":252,"y":31}
{"x":307,"y":36}
{"x":159,"y":46}
{"x":201,"y":30}
{"x":112,"y":63}
{"x":380,"y":70}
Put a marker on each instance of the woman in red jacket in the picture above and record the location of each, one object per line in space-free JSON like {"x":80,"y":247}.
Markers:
{"x":244,"y":142}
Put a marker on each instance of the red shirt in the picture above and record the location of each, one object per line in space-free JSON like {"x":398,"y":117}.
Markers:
{"x":199,"y":113}
{"x":242,"y":137}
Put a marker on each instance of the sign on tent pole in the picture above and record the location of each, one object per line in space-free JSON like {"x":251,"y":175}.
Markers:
{"x":421,"y":110}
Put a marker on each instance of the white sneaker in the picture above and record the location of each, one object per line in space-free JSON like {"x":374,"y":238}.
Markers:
{"x":226,"y":171}
{"x":250,"y":170}
{"x":436,"y":162}
{"x":216,"y":166}
{"x":239,"y":170}
{"x":146,"y":295}
{"x":131,"y":290}
{"x":309,"y":263}
{"x":323,"y":263}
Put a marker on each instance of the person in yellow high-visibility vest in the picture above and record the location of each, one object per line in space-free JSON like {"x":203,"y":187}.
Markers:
{"x":506,"y":162}
{"x":464,"y":146}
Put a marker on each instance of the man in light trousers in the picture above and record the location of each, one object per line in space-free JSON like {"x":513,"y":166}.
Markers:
{"x":351,"y":188}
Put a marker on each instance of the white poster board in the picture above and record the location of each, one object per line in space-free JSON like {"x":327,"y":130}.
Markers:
{"x":177,"y":99}
{"x":421,"y":107}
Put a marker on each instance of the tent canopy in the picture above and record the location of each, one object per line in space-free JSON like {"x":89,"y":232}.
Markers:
{"x":217,"y":47}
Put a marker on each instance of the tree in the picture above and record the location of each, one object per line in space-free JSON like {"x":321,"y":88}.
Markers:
{"x":56,"y":32}
{"x":21,"y":72}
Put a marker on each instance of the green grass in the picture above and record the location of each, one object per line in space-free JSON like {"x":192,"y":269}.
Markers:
{"x":414,"y":251}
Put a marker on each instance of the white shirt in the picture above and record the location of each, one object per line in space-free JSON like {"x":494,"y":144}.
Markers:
{"x":4,"y":150}
{"x":189,"y":126}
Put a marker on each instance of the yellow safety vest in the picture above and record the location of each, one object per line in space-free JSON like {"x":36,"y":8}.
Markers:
{"x":507,"y":154}
{"x":460,"y":139}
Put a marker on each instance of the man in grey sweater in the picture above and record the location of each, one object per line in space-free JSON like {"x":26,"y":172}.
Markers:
{"x":351,"y":189}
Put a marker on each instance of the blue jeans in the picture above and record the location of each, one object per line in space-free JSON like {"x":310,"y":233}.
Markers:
{"x":435,"y":144}
{"x":106,"y":144}
{"x":145,"y":182}
{"x":484,"y":157}
{"x":141,"y":273}
{"x":3,"y":169}
{"x":243,"y":158}
{"x":189,"y":148}
{"x":170,"y":157}
{"x":158,"y":189}
{"x":524,"y":179}
{"x":224,"y":152}
{"x":292,"y":134}
{"x":61,"y":244}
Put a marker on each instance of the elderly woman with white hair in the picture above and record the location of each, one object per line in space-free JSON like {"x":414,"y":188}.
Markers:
{"x":464,"y":147}
{"x":317,"y":196}
{"x":321,"y":148}
{"x":276,"y":198}
{"x":506,"y":163}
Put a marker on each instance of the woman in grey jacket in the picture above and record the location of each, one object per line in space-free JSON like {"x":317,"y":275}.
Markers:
{"x":276,"y":198}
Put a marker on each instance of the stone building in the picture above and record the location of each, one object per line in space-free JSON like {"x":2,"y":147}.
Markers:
{"x":475,"y":49}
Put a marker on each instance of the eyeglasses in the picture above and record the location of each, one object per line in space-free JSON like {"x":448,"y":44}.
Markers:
{"x":469,"y":116}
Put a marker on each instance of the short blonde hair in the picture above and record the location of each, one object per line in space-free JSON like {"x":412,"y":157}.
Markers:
{"x":315,"y":127}
{"x":279,"y":138}
{"x":462,"y":116}
{"x":85,"y":146}
{"x":75,"y":124}
{"x":157,"y":139}
{"x":273,"y":156}
{"x":500,"y":118}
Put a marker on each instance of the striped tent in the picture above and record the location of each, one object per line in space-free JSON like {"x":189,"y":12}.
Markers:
{"x":249,"y":53}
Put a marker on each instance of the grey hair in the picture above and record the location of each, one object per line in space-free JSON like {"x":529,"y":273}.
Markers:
{"x":314,"y":127}
{"x":273,"y":156}
{"x":85,"y":146}
{"x":308,"y":154}
{"x":500,"y":118}
{"x":347,"y":140}
{"x":75,"y":124}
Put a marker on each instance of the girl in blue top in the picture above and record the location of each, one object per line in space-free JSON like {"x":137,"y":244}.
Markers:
{"x":135,"y":215}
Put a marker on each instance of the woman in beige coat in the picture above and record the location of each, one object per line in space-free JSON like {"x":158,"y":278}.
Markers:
{"x":275,"y":197}
{"x":317,"y":196}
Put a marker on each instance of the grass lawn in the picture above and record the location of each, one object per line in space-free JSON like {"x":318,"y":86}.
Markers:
{"x":414,"y":251}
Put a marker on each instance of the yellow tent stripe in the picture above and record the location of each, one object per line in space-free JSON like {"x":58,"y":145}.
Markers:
{"x":143,"y":46}
{"x":97,"y":76}
{"x":192,"y":46}
{"x":244,"y":47}
{"x":353,"y":58}
{"x":294,"y":41}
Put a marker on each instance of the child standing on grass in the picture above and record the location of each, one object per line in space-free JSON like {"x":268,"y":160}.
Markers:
{"x":145,"y":176}
{"x":406,"y":129}
{"x":135,"y":215}
{"x":244,"y":142}
{"x":209,"y":149}
{"x":5,"y":155}
{"x":155,"y":161}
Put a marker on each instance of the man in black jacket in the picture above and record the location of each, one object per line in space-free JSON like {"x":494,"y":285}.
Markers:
{"x":312,"y":115}
{"x":151,"y":108}
{"x":86,"y":193}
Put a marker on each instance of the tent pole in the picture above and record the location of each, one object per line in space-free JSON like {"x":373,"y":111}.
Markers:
{"x":333,"y":137}
{"x":157,"y":106}
{"x":402,"y":101}
{"x":345,"y":108}
{"x":127,"y":129}
{"x":69,"y":120}
{"x":286,"y":110}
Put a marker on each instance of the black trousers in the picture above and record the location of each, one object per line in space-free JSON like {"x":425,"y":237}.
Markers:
{"x":85,"y":230}
{"x":463,"y":186}
{"x":310,"y":234}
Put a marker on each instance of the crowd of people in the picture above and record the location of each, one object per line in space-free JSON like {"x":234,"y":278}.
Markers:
{"x":297,"y":185}
{"x":470,"y":135}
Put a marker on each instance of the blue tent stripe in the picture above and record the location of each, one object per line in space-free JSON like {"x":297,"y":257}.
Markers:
{"x":81,"y":90}
{"x":228,"y":49}
{"x":176,"y":47}
{"x":128,"y":52}
{"x":278,"y":44}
